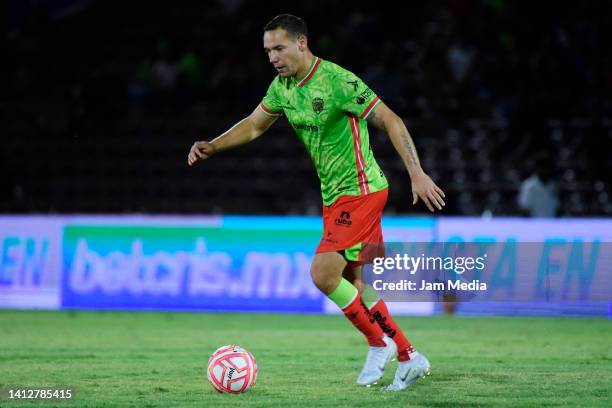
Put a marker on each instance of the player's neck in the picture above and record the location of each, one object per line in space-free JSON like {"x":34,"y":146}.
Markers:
{"x":305,"y":66}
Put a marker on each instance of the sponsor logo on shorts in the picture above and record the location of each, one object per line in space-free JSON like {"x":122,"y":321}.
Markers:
{"x":344,"y":219}
{"x":328,"y":238}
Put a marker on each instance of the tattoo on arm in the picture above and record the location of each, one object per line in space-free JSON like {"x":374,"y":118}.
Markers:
{"x":404,"y":136}
{"x":409,"y":145}
{"x":376,"y":120}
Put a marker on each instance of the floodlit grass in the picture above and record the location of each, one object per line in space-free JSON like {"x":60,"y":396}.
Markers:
{"x":158,"y":359}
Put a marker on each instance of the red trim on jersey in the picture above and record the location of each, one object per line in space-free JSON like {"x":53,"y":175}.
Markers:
{"x":362,"y":178}
{"x":270,"y":111}
{"x":303,"y":81}
{"x":369,"y":108}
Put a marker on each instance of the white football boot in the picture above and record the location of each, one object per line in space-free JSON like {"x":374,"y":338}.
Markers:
{"x":376,"y":361}
{"x":409,"y":371}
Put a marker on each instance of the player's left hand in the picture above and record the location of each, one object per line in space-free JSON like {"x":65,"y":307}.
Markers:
{"x":200,"y":151}
{"x":424,"y":188}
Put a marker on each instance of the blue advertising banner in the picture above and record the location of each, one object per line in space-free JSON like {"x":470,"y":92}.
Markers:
{"x":30,"y":257}
{"x":246,"y":264}
{"x":491,"y":272}
{"x":249,"y":263}
{"x":557,"y":255}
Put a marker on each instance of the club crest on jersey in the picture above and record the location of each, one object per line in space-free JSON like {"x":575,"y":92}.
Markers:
{"x":318,"y":105}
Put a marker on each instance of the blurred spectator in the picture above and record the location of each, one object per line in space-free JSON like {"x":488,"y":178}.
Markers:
{"x":460,"y":57}
{"x":165,"y":70}
{"x":139,"y":86}
{"x":538,"y":194}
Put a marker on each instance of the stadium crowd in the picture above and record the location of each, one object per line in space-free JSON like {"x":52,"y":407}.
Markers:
{"x":101,"y":101}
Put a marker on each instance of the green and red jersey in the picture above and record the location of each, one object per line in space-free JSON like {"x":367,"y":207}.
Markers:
{"x":328,"y":109}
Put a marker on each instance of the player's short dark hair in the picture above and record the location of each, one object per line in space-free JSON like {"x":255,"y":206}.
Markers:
{"x":288,"y":22}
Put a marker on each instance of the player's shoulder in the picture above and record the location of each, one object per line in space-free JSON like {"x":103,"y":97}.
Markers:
{"x":340,"y":79}
{"x":279,"y":83}
{"x":335,"y":70}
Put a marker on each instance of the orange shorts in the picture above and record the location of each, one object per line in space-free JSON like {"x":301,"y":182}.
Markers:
{"x":350,"y":223}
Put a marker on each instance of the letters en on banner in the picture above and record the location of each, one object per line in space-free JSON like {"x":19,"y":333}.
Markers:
{"x":30,"y":258}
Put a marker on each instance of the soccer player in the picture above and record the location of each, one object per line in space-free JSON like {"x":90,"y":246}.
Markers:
{"x":328,"y":107}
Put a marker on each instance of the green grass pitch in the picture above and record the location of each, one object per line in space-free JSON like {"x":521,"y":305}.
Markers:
{"x":150,"y":359}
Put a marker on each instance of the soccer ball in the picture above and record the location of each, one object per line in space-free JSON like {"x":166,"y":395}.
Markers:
{"x":231,"y":369}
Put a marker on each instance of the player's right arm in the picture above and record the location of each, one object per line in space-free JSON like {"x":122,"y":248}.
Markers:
{"x":423,"y":186}
{"x":245,"y":131}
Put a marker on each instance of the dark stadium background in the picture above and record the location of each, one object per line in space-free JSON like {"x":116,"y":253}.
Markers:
{"x":484,"y":86}
{"x":105,"y":228}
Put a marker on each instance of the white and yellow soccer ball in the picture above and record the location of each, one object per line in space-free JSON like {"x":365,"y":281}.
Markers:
{"x":232,"y":370}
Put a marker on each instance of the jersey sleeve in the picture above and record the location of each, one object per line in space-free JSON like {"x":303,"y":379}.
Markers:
{"x":270,"y":105}
{"x":355,"y":97}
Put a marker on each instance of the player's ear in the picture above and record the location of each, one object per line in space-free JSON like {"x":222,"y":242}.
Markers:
{"x":302,"y":42}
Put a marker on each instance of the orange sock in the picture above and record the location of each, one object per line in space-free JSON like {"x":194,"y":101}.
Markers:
{"x":362,"y":319}
{"x":381,"y":315}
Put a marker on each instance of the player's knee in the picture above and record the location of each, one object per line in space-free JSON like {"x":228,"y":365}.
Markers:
{"x":324,"y":276}
{"x":326,"y":271}
{"x":320,"y":278}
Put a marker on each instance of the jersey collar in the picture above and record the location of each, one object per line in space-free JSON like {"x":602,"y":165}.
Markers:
{"x":315,"y":64}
